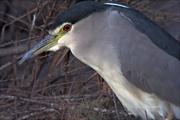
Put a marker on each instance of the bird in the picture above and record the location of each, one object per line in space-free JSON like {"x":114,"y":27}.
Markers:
{"x":137,"y":58}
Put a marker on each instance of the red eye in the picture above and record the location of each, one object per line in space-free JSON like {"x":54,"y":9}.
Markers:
{"x":67,"y":27}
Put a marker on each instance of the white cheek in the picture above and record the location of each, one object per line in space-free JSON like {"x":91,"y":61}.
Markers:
{"x":57,"y":46}
{"x":65,"y":40}
{"x":54,"y":48}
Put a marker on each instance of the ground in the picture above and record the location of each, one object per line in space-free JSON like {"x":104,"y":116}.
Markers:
{"x":56,"y":86}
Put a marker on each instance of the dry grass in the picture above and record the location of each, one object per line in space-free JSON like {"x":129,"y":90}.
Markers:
{"x":52,"y":86}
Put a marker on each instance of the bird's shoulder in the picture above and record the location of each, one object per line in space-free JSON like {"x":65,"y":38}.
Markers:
{"x":158,"y":36}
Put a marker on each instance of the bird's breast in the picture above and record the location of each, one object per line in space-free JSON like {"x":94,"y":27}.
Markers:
{"x":133,"y":99}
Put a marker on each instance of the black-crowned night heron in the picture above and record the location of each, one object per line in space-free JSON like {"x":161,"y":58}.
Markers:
{"x":138,"y":59}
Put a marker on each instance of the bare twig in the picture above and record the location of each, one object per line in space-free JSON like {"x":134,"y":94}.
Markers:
{"x":20,"y":20}
{"x":115,"y":106}
{"x":5,"y":65}
{"x":19,"y":41}
{"x":39,"y":110}
{"x":13,"y":50}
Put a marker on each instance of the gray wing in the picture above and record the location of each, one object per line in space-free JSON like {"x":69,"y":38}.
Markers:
{"x":152,"y":62}
{"x":156,"y":34}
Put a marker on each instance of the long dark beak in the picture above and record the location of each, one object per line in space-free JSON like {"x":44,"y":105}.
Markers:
{"x":42,"y":46}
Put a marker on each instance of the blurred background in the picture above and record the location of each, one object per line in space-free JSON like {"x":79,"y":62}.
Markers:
{"x":56,"y":86}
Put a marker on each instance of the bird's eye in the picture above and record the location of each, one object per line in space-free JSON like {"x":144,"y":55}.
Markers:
{"x":67,"y":27}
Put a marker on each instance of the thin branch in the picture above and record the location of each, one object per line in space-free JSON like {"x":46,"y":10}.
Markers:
{"x":13,"y":50}
{"x":40,"y":110}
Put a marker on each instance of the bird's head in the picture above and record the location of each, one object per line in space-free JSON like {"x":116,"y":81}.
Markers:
{"x":51,"y":42}
{"x":62,"y":28}
{"x":72,"y":27}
